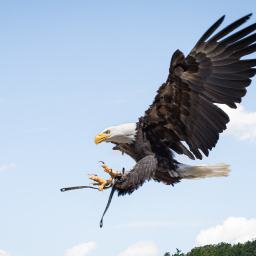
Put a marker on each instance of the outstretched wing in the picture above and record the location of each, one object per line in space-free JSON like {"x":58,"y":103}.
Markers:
{"x":134,"y":178}
{"x":183,"y":109}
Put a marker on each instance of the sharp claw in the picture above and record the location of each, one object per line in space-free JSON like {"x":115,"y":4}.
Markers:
{"x":108,"y":185}
{"x":91,"y":174}
{"x":101,"y":162}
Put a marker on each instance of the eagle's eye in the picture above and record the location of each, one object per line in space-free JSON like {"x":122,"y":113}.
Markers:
{"x":107,"y":131}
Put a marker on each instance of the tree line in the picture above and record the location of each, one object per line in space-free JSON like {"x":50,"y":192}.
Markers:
{"x":221,"y":249}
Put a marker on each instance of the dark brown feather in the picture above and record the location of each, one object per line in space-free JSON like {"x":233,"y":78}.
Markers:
{"x":211,"y":73}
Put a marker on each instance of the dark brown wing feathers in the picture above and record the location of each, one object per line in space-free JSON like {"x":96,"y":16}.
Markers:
{"x":134,"y":178}
{"x":183,"y":109}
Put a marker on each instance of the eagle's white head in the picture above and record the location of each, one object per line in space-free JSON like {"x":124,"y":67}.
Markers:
{"x":123,"y":133}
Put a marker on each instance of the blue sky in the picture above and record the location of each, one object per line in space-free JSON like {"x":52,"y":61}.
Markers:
{"x":69,"y":70}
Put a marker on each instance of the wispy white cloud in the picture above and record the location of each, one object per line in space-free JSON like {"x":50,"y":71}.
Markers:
{"x":160,"y":224}
{"x":3,"y":253}
{"x":118,"y":101}
{"x":4,"y":167}
{"x":233,"y":230}
{"x":242,"y":123}
{"x":83,"y":249}
{"x":37,"y":130}
{"x":141,"y":248}
{"x":63,"y":97}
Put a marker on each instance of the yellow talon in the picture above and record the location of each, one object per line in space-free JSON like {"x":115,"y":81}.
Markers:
{"x":112,"y":173}
{"x":100,"y":182}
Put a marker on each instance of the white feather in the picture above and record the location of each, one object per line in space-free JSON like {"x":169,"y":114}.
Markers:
{"x":123,"y":133}
{"x":203,"y":171}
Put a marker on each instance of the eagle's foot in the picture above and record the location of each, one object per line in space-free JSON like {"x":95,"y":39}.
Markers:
{"x":100,"y":182}
{"x":112,"y":173}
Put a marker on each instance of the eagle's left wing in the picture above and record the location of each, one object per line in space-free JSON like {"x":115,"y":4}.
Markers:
{"x":134,"y":178}
{"x":184,"y":109}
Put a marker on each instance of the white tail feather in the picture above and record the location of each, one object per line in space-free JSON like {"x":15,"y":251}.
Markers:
{"x":203,"y":171}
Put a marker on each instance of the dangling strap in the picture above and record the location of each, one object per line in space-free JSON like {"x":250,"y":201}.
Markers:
{"x":71,"y":188}
{"x":109,"y":201}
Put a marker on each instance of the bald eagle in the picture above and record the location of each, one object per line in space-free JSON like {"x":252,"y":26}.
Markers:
{"x":184,"y":110}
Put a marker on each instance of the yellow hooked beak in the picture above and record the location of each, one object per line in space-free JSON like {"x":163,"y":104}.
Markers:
{"x":101,"y":137}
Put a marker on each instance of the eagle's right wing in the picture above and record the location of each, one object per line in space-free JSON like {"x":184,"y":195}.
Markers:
{"x":183,"y":109}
